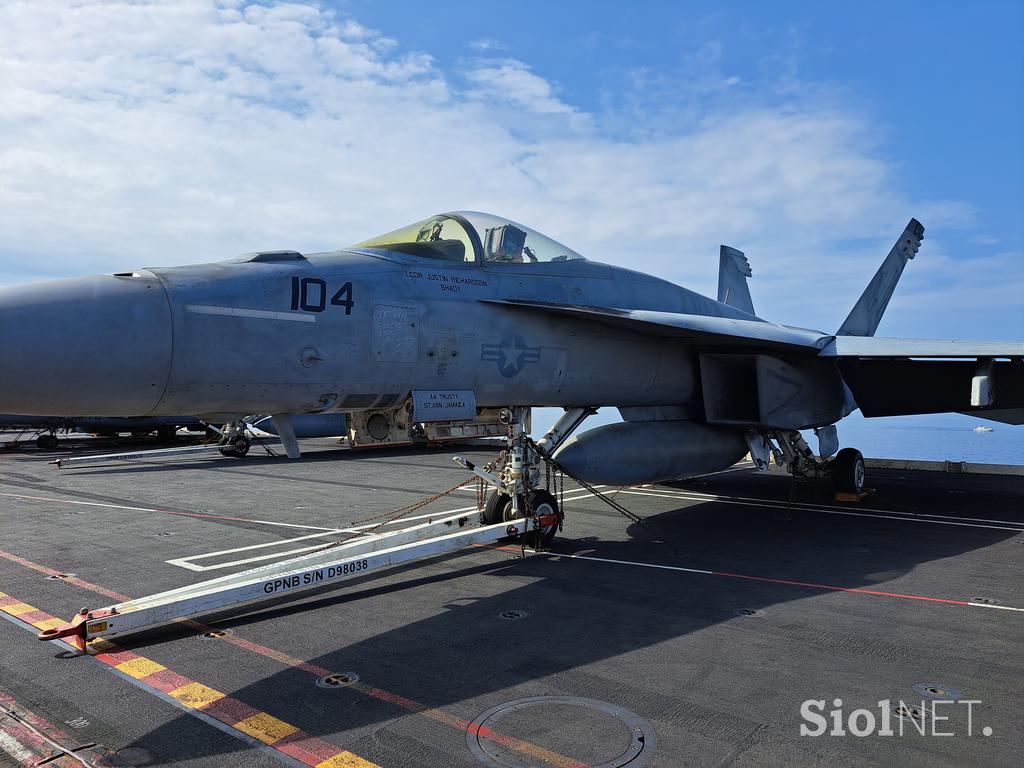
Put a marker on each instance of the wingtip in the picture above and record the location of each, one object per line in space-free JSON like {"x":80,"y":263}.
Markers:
{"x":738,"y":257}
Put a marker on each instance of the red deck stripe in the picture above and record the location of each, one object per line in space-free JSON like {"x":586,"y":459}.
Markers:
{"x":859,"y":590}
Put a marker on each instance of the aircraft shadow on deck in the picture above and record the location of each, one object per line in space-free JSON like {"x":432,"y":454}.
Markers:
{"x":582,"y":612}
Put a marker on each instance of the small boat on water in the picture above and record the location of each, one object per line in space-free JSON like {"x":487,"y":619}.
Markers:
{"x":983,"y":429}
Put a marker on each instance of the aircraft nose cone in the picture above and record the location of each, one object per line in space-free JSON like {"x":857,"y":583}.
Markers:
{"x":90,"y":346}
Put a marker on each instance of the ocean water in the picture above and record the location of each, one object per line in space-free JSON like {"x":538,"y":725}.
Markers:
{"x":933,"y":437}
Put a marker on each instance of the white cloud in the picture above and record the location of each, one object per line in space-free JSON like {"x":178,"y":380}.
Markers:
{"x":172,"y":133}
{"x":485,"y":44}
{"x":510,"y":82}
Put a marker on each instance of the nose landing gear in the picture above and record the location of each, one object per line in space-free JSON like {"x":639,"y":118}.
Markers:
{"x":517,"y":492}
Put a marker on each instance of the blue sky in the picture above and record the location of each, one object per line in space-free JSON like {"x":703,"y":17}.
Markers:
{"x":943,"y":81}
{"x":642,"y":134}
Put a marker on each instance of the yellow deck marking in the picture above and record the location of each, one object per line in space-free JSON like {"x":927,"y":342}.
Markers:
{"x":17,"y":609}
{"x":48,"y":623}
{"x":196,"y":695}
{"x":346,"y":760}
{"x":261,"y":726}
{"x":266,"y":728}
{"x":140,"y":667}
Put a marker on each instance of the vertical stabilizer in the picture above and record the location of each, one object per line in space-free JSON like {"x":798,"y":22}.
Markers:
{"x":867,"y":312}
{"x":733,"y":271}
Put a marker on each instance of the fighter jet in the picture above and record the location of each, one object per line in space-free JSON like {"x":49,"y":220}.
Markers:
{"x":466,"y":310}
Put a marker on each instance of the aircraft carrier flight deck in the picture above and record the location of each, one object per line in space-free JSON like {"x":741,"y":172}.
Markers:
{"x":747,"y":621}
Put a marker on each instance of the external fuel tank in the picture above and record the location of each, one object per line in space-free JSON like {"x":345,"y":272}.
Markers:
{"x":638,"y":452}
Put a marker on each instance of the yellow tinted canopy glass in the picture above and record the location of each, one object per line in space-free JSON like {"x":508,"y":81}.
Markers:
{"x":442,"y":237}
{"x":469,"y":236}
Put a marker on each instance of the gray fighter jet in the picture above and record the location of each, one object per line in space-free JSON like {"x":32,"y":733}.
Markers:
{"x":464,"y":311}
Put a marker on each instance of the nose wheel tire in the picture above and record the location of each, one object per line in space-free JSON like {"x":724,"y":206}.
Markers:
{"x":498,"y":509}
{"x":848,"y":471}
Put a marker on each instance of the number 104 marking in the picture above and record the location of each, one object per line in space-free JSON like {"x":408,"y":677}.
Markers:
{"x":310,"y":295}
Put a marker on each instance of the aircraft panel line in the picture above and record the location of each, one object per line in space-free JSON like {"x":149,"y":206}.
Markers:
{"x":259,"y":314}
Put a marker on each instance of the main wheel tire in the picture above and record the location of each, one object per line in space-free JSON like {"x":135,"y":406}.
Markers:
{"x":46,"y":442}
{"x":166,"y":434}
{"x":498,"y":509}
{"x":237,"y":446}
{"x":848,"y":471}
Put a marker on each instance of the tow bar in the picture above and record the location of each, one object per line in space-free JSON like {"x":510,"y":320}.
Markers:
{"x":333,"y":563}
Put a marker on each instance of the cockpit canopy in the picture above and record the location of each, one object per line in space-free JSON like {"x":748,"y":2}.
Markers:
{"x":475,"y":237}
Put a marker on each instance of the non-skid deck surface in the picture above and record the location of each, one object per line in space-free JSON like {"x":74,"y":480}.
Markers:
{"x":712,"y":625}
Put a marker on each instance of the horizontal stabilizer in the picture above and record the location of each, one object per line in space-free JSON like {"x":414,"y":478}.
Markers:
{"x":702,"y":331}
{"x":867,"y":313}
{"x":900,"y":387}
{"x":733,"y":271}
{"x":1002,"y":415}
{"x":899,"y":377}
{"x":878,"y":347}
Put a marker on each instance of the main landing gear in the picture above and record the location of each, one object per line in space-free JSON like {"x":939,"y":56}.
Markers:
{"x":787,"y":448}
{"x":515,"y":477}
{"x":235,"y":440}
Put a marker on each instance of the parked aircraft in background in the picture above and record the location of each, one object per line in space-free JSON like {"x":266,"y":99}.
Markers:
{"x":47,"y":427}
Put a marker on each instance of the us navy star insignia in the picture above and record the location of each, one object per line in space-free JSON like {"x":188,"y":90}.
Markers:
{"x":511,"y":354}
